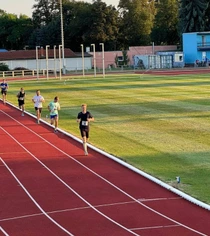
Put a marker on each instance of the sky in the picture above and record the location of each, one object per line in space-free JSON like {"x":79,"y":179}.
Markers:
{"x":25,"y":6}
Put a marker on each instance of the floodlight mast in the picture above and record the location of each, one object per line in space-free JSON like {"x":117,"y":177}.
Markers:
{"x":62,"y":37}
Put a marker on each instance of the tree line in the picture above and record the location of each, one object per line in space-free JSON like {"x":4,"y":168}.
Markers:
{"x":132,"y":23}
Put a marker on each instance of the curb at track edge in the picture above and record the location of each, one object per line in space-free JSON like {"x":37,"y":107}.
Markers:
{"x":134,"y":169}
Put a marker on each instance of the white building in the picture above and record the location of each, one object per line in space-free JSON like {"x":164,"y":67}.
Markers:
{"x":29,"y":59}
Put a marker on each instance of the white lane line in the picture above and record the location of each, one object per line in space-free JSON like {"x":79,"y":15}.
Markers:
{"x":136,"y":200}
{"x":158,"y":199}
{"x":66,"y":210}
{"x":102,"y":214}
{"x":3,"y":231}
{"x":34,"y":201}
{"x":156,"y":227}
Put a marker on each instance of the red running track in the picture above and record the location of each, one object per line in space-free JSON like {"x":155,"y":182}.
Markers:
{"x":49,"y":188}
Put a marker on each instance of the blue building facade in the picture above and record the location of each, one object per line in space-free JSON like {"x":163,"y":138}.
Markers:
{"x":196,"y":47}
{"x":3,"y":50}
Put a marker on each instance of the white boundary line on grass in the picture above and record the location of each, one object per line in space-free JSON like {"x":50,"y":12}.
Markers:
{"x":142,"y":173}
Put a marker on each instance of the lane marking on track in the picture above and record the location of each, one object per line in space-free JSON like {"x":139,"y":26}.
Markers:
{"x":34,"y":201}
{"x":66,"y":210}
{"x":102,"y":214}
{"x":156,"y":227}
{"x":136,"y":200}
{"x":158,"y":199}
{"x":97,"y":206}
{"x":79,"y":208}
{"x":3,"y":231}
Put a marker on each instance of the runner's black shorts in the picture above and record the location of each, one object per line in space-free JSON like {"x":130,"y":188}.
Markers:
{"x":84,"y":132}
{"x":38,"y":108}
{"x":3,"y":92}
{"x":21,"y":102}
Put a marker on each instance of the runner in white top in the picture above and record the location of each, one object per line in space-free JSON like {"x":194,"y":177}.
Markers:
{"x":38,"y":99}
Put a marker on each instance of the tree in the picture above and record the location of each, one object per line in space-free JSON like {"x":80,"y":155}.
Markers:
{"x":45,"y":11}
{"x":4,"y":67}
{"x":165,"y":30}
{"x":86,"y":23}
{"x":14,"y":31}
{"x":49,"y":34}
{"x":207,"y":17}
{"x":192,"y":15}
{"x":137,"y":18}
{"x":77,"y":21}
{"x":104,"y":25}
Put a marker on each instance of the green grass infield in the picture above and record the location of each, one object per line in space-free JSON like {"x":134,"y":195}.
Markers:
{"x":159,"y":124}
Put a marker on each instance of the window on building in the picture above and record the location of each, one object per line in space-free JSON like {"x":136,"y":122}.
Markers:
{"x":178,"y":57}
{"x":120,"y":58}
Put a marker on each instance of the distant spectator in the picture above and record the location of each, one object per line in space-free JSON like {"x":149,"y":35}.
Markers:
{"x":196,"y":63}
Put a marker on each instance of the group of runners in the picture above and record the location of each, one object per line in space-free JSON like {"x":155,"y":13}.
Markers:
{"x":83,"y":118}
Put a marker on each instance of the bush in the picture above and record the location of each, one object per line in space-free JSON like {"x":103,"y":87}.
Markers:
{"x":20,"y":68}
{"x":4,"y":67}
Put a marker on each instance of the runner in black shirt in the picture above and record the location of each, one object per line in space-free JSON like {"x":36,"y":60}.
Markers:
{"x":21,"y":100}
{"x":84,"y":117}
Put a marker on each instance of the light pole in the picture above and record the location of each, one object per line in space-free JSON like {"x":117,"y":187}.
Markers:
{"x":60,"y":46}
{"x":62,"y":37}
{"x":37,"y":62}
{"x":94,"y":58}
{"x":47,"y":65}
{"x":55,"y":73}
{"x":83,"y":62}
{"x":102,"y":46}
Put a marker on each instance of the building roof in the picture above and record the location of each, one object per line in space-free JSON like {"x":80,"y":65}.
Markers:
{"x":31,"y":54}
{"x":199,"y":33}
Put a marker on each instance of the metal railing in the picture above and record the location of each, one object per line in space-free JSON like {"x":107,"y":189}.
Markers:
{"x":203,"y":45}
{"x":23,"y":73}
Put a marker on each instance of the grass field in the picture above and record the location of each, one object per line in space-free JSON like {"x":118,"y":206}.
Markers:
{"x":159,"y":124}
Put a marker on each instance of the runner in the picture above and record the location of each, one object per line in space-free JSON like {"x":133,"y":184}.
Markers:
{"x":54,"y":107}
{"x":84,"y":117}
{"x":21,"y":100}
{"x":4,"y":88}
{"x":38,"y":100}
